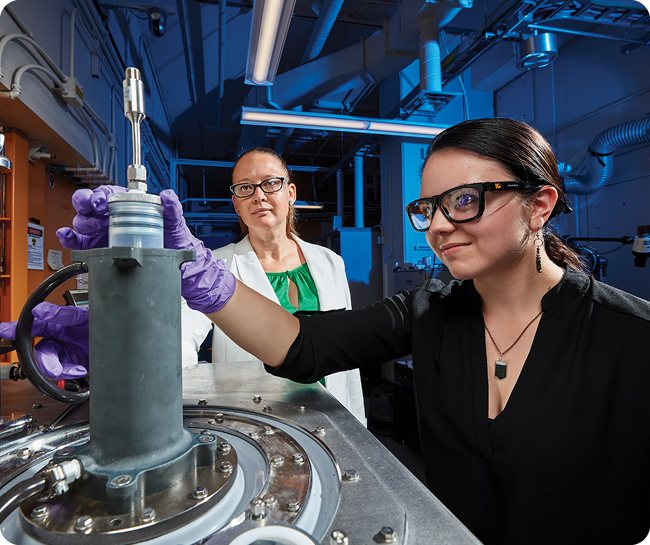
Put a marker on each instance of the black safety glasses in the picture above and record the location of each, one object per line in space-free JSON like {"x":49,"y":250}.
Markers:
{"x":271,"y":185}
{"x":459,"y":204}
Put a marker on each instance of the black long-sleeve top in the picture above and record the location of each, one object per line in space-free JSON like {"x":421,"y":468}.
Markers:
{"x":568,"y":459}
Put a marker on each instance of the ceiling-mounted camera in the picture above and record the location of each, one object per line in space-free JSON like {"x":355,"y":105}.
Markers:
{"x":157,"y":17}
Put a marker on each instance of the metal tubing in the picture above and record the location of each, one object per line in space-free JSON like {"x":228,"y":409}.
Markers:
{"x":339,"y":194}
{"x":358,"y":190}
{"x":19,"y":494}
{"x":429,"y":52}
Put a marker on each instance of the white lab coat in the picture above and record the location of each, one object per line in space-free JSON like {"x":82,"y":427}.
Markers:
{"x":328,"y":271}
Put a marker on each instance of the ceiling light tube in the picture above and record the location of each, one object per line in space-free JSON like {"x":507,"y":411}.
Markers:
{"x":344,"y":123}
{"x":269,"y":28}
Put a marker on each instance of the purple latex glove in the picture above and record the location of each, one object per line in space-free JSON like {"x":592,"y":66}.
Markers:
{"x":90,"y":225}
{"x":63,"y":351}
{"x":206,"y":284}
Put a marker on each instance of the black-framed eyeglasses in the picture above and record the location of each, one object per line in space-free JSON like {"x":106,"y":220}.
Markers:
{"x":459,"y":204}
{"x":271,"y":185}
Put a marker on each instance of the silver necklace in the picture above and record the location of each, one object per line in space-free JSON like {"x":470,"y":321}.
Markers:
{"x":500,"y":366}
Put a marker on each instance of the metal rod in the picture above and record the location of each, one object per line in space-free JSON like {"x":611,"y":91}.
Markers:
{"x":4,"y":218}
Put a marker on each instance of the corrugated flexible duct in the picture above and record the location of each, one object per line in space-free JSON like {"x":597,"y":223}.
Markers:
{"x":600,"y":161}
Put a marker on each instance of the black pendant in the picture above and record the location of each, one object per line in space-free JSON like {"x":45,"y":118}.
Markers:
{"x":500,"y":368}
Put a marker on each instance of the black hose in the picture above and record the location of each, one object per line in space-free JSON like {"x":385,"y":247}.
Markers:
{"x":24,"y":338}
{"x":20,"y":493}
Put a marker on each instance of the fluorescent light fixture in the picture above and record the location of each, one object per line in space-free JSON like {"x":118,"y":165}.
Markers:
{"x":271,"y":20}
{"x":345,"y":123}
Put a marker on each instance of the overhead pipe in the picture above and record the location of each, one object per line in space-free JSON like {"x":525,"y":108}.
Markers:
{"x":600,"y":160}
{"x":222,"y":64}
{"x":189,"y":61}
{"x":19,"y":23}
{"x":326,"y":19}
{"x":147,"y":53}
{"x":358,"y":190}
{"x":429,"y":54}
{"x":73,"y":15}
{"x":340,"y":211}
{"x":324,"y":23}
{"x":100,"y":33}
{"x":16,"y":89}
{"x":16,"y":36}
{"x":371,"y":60}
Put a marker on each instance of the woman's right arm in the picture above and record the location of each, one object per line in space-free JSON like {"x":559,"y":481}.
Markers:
{"x":257,"y":324}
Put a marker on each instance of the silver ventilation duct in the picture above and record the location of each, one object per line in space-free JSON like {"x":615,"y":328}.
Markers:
{"x":600,"y":161}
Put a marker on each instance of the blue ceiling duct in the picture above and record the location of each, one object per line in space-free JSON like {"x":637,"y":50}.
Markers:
{"x":600,"y":161}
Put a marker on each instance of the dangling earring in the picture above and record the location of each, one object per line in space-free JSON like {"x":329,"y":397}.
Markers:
{"x":539,"y":242}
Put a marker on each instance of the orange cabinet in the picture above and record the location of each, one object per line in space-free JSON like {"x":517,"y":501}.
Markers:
{"x":29,"y":193}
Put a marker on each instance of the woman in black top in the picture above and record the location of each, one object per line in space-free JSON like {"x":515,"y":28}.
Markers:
{"x":533,"y":398}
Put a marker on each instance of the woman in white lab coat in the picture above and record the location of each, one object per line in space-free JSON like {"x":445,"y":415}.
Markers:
{"x":273,"y":261}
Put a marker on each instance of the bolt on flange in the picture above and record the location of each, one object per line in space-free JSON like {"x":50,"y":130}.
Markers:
{"x":200,"y":493}
{"x":258,"y":509}
{"x":83,"y":524}
{"x":386,"y":535}
{"x":338,"y":537}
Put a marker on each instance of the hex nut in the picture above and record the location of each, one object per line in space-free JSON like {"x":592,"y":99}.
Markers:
{"x":267,"y":408}
{"x":206,"y":438}
{"x":350,"y":475}
{"x":202,"y":402}
{"x":83,"y":524}
{"x":387,"y":535}
{"x":269,"y":500}
{"x":298,"y":459}
{"x":218,"y":418}
{"x":338,"y":537}
{"x":24,"y":453}
{"x":225,"y":447}
{"x":277,"y":460}
{"x":200,"y":493}
{"x":225,"y":467}
{"x":257,"y":399}
{"x":258,"y":509}
{"x":148,"y":514}
{"x":320,"y":430}
{"x":40,"y":512}
{"x":293,"y":505}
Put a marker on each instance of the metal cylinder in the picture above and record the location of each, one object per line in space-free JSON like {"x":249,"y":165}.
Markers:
{"x":135,"y":220}
{"x":135,"y":355}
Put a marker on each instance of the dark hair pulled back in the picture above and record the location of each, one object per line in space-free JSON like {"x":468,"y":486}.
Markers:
{"x":525,"y":154}
{"x":292,"y":221}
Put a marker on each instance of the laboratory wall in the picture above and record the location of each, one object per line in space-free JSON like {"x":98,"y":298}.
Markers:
{"x":590,"y":88}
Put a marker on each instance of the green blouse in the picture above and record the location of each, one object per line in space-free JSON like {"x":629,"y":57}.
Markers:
{"x":307,"y":292}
